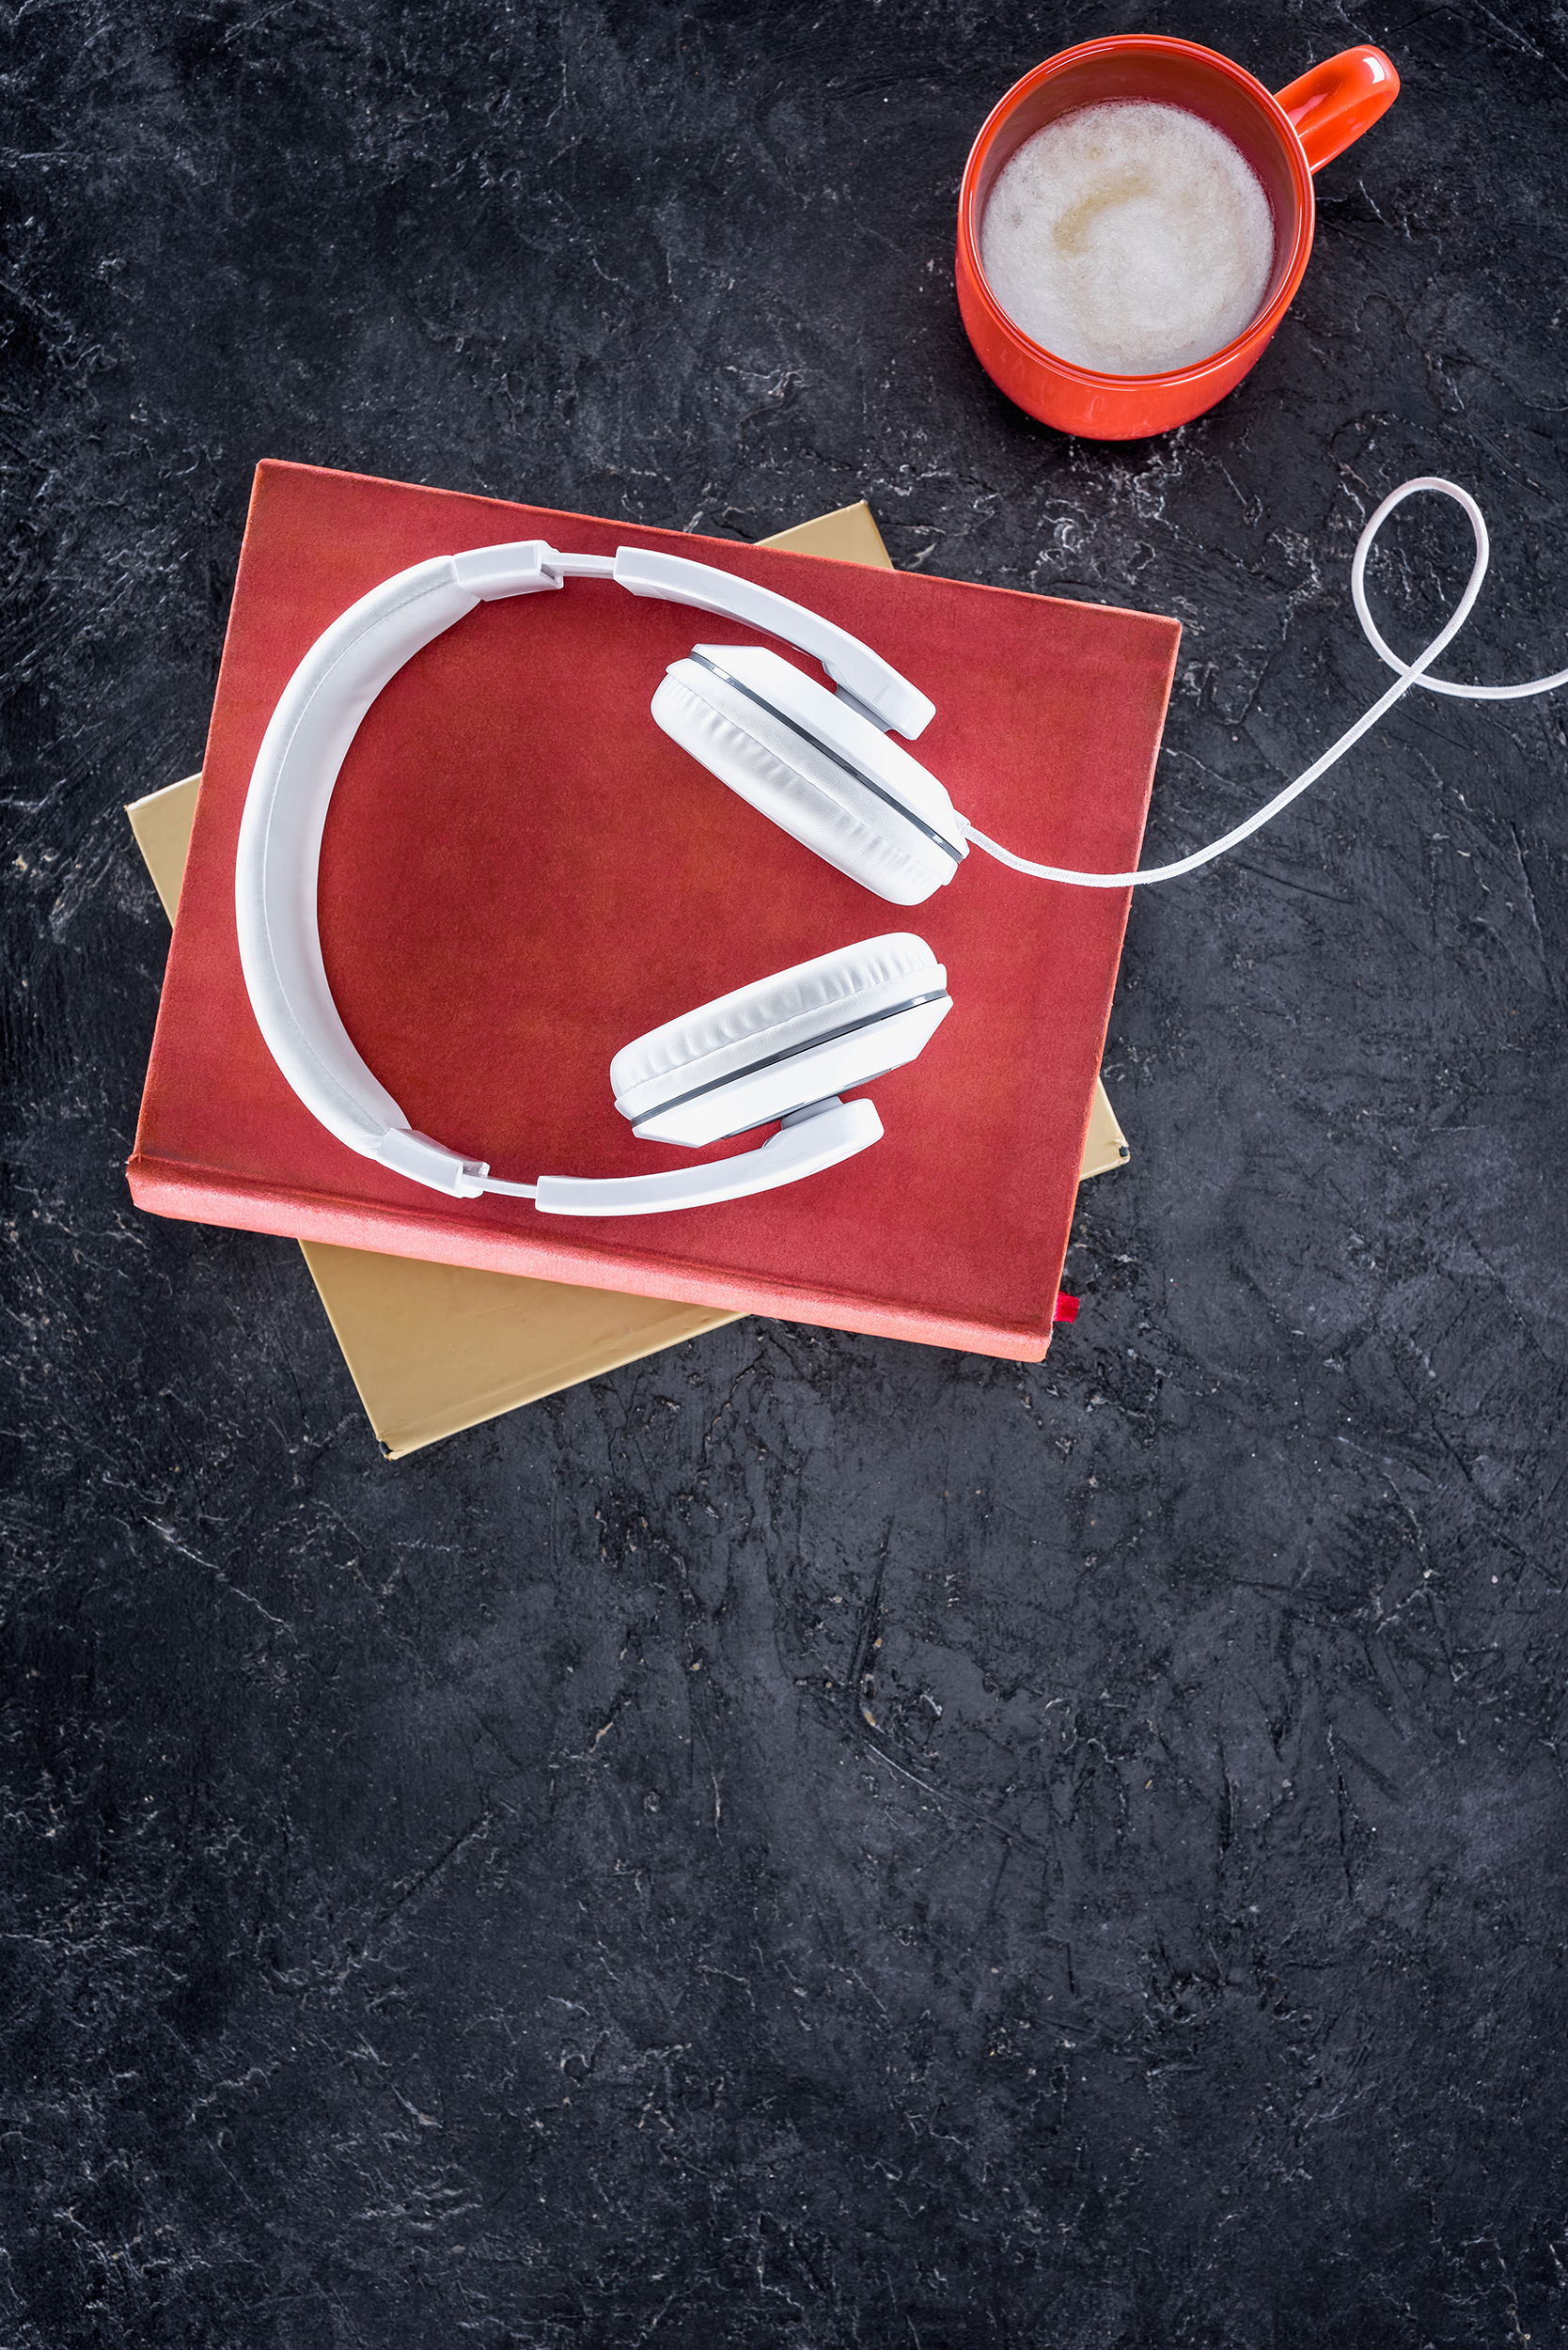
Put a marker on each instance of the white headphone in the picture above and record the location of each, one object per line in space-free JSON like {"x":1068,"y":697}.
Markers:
{"x":819,"y":763}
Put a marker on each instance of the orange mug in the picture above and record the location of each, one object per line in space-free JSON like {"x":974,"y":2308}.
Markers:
{"x":1285,"y":139}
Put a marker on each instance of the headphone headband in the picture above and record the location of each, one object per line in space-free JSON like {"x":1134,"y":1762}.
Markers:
{"x":308,"y":738}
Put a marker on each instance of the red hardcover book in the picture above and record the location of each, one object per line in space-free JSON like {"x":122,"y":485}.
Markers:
{"x":521,"y":873}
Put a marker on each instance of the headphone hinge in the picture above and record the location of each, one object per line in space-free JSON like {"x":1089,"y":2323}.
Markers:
{"x":519,"y":569}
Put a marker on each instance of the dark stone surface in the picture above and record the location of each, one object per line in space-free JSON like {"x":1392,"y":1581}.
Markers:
{"x":806,"y":1841}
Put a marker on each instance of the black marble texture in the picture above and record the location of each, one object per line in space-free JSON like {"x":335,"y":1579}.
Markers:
{"x":807,"y":1843}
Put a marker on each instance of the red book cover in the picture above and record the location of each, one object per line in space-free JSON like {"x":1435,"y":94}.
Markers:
{"x":521,"y":873}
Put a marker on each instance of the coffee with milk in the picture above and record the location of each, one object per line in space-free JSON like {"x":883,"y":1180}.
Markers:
{"x":1129,"y":236}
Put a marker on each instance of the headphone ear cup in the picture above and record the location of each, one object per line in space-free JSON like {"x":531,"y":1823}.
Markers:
{"x":816,"y":767}
{"x":818,"y":1030}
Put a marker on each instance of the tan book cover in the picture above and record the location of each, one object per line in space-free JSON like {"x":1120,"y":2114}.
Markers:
{"x":435,"y":1348}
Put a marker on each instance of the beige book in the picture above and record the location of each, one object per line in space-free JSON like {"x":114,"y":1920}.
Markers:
{"x":434,"y":1348}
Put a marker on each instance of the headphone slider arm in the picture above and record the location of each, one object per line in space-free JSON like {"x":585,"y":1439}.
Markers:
{"x":808,"y":1142}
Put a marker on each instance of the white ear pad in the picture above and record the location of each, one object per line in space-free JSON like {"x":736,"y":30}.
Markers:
{"x":804,"y":758}
{"x":799,"y":1037}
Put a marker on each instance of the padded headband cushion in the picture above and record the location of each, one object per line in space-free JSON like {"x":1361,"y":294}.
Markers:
{"x":827,"y":775}
{"x":778,"y":1015}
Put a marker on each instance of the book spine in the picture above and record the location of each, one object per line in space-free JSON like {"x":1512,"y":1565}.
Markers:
{"x":197,"y":1195}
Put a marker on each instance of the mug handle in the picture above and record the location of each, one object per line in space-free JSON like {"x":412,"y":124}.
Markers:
{"x":1334,"y":102}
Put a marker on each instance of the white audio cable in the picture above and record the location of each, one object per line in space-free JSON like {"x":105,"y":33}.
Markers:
{"x":1407,"y":675}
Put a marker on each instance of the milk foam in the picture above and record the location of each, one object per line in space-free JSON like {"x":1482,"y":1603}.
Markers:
{"x":1129,"y":236}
